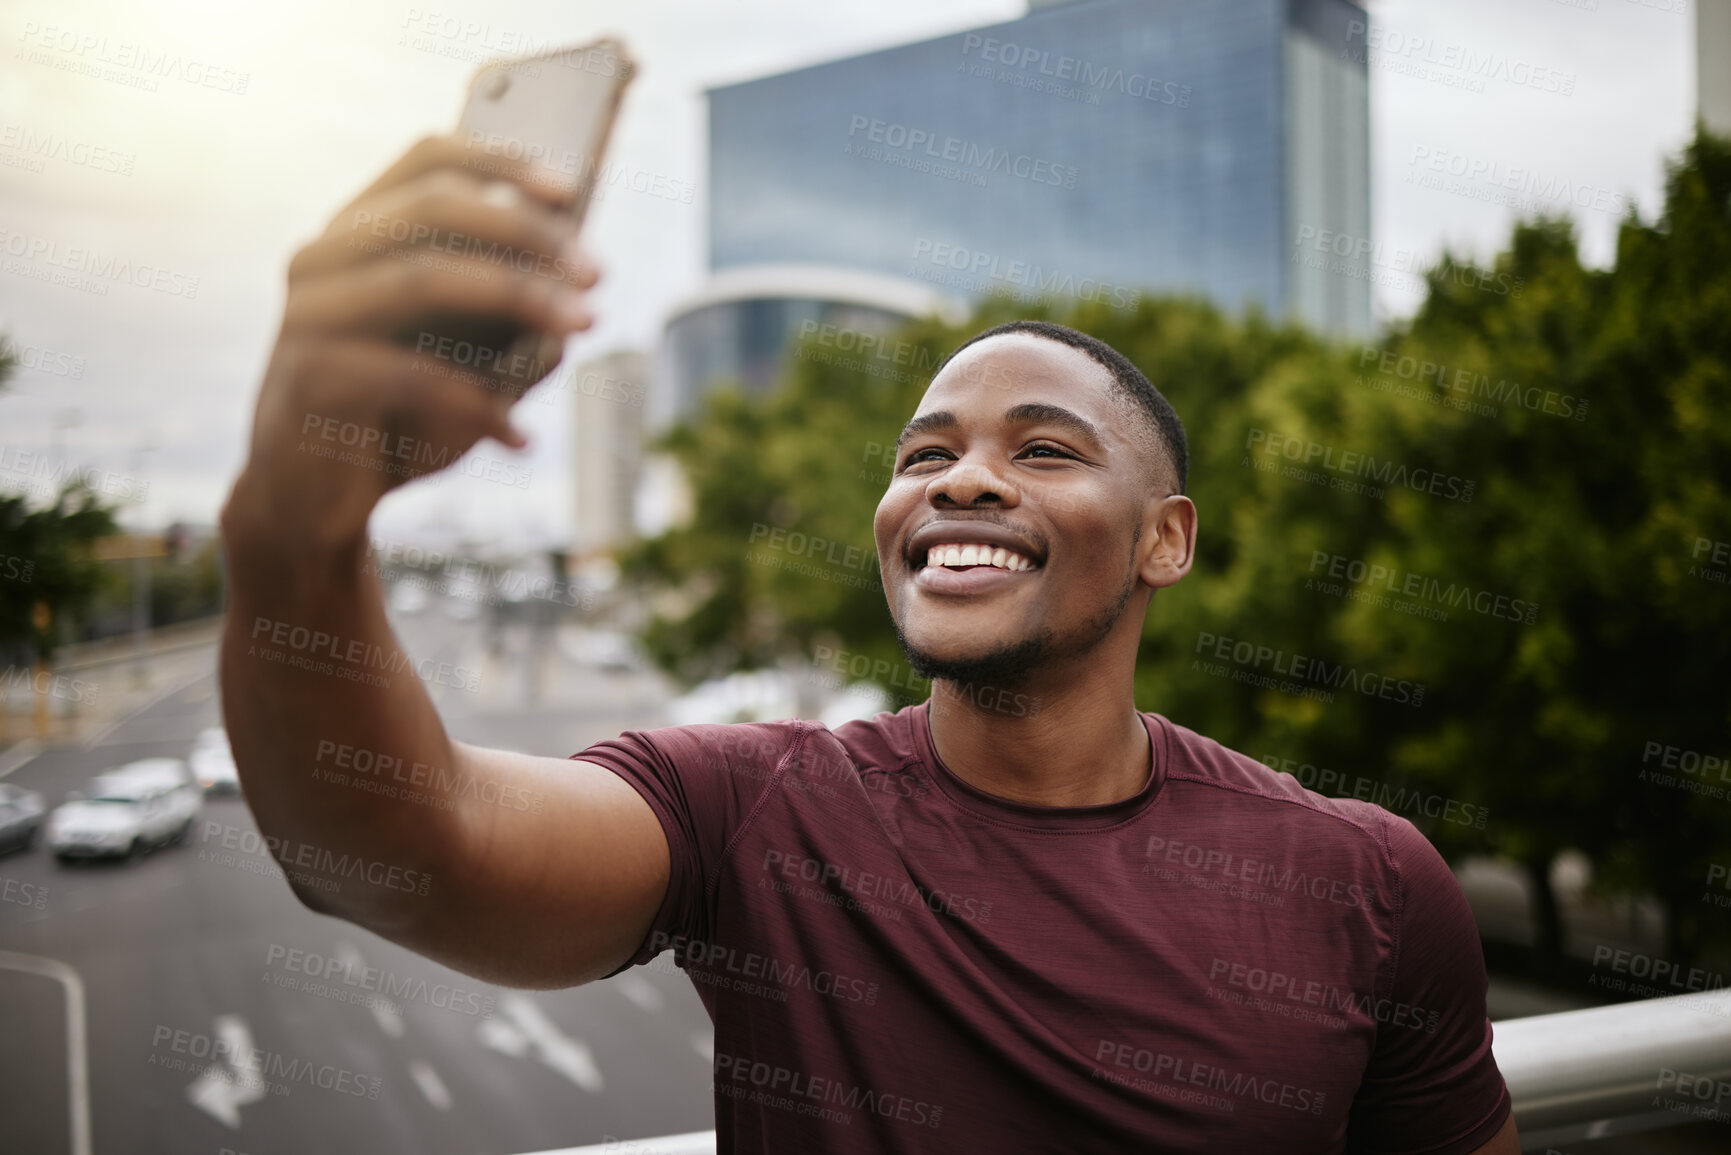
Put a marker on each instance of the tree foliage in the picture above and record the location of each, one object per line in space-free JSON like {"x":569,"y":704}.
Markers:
{"x":45,"y":570}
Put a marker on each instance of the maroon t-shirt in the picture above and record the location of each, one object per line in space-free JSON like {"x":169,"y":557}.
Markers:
{"x":896,"y":961}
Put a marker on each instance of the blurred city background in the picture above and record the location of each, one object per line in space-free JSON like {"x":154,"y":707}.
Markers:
{"x":1442,"y":293}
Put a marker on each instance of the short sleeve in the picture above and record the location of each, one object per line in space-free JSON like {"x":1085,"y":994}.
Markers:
{"x":703,"y":783}
{"x":1432,"y":1086}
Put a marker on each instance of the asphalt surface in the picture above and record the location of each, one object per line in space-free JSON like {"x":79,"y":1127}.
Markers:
{"x":192,"y":944}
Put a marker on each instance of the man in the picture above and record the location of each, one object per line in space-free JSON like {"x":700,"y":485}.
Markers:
{"x":1020,"y":917}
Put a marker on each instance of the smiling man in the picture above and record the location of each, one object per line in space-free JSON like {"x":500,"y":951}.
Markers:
{"x":1022,"y":916}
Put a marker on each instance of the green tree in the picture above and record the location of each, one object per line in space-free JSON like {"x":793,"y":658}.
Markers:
{"x":46,"y":574}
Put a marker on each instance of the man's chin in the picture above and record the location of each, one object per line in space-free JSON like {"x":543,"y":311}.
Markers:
{"x":1003,"y":666}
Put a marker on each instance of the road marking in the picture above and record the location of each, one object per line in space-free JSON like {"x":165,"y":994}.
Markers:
{"x":385,"y":1014}
{"x":221,"y":1095}
{"x":430,"y":1084}
{"x":18,"y":754}
{"x":523,"y":1025}
{"x":640,"y":991}
{"x":77,"y":1066}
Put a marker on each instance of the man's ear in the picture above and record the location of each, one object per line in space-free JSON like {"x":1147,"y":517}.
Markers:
{"x":1168,"y":545}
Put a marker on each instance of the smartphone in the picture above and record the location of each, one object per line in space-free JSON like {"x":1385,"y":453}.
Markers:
{"x":557,"y":110}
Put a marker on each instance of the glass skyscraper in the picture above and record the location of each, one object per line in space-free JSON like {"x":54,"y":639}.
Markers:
{"x":1095,"y":149}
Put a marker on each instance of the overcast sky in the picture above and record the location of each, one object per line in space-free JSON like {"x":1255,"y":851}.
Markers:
{"x":201,"y":179}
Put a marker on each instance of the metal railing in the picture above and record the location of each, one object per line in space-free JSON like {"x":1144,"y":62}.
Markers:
{"x":1574,"y":1076}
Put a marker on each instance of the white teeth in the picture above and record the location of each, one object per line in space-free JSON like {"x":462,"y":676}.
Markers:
{"x":976,"y":554}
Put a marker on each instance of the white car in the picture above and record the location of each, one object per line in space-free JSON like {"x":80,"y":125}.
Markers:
{"x":408,"y":597}
{"x":127,"y":811}
{"x":213,"y":763}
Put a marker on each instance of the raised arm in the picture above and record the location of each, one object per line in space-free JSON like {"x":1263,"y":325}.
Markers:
{"x":521,"y":870}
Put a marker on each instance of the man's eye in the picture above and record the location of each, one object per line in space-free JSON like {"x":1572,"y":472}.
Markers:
{"x":1053,"y":450}
{"x":920,"y":455}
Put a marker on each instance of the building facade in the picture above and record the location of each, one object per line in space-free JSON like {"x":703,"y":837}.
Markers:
{"x":1092,"y":150}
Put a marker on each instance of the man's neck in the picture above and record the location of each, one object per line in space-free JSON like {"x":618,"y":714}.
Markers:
{"x":1073,"y":746}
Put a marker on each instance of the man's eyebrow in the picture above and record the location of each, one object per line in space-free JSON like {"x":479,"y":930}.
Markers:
{"x":925,"y":423}
{"x":1028,"y":413}
{"x":1033,"y":412}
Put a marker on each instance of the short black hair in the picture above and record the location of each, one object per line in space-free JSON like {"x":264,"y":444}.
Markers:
{"x":1167,"y":429}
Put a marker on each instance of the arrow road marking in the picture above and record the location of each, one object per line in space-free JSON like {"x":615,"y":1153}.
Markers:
{"x":385,"y":1014}
{"x":222,"y":1094}
{"x":430,"y":1084}
{"x":522,"y":1025}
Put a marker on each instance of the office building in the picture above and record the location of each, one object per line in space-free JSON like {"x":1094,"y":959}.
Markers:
{"x":1094,"y":150}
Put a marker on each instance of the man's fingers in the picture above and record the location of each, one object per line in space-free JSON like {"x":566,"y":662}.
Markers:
{"x":476,"y":159}
{"x":448,"y":214}
{"x":384,"y":296}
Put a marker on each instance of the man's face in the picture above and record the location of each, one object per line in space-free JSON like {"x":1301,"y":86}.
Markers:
{"x":1019,"y":444}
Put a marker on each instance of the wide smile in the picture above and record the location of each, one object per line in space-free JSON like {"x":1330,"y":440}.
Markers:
{"x":945,"y":565}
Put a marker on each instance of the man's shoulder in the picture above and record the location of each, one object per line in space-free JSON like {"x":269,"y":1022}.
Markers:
{"x":1246,"y":785}
{"x":880,"y":740}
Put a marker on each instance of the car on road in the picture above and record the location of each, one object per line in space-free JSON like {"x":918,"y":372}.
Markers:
{"x":408,"y":596}
{"x":20,"y":816}
{"x":127,"y":811}
{"x":212,"y":762}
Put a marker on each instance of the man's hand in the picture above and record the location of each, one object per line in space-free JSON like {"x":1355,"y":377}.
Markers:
{"x":360,"y":394}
